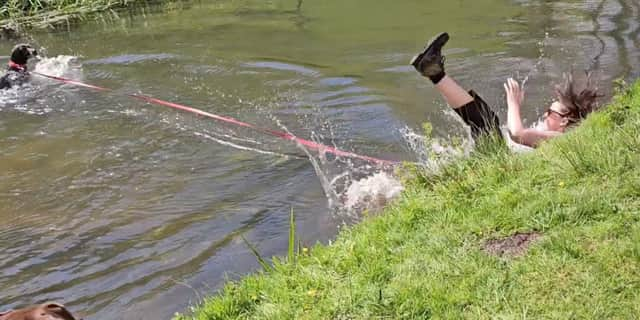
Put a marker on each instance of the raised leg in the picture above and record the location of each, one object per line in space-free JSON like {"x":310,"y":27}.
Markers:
{"x":453,"y":93}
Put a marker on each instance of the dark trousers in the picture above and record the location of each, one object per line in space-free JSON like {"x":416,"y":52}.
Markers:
{"x":479,"y":116}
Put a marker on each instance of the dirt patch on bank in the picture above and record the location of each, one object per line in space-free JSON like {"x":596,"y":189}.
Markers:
{"x":511,"y":246}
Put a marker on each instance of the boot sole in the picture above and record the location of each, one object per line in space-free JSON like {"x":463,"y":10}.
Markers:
{"x":444,"y":37}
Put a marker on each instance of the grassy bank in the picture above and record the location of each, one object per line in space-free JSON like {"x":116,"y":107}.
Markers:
{"x":426,"y":255}
{"x":18,"y":14}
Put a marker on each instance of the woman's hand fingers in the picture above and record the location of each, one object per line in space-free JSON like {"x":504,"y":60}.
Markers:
{"x":509,"y":84}
{"x":513,"y":91}
{"x":514,"y":84}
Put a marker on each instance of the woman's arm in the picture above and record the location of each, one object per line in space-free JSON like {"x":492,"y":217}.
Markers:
{"x":520,"y":134}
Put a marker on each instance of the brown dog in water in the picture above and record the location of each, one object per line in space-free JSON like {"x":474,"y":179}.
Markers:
{"x":17,"y":71}
{"x":45,"y":311}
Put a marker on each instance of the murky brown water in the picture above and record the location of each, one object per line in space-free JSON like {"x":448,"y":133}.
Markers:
{"x":129,"y":211}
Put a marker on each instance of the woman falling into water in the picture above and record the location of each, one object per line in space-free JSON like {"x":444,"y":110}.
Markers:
{"x":569,"y":109}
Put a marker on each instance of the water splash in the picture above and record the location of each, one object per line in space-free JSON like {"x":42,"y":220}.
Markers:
{"x":352,"y":187}
{"x":431,"y":152}
{"x":60,"y":66}
{"x":32,"y":97}
{"x":539,"y":62}
{"x":371,"y":193}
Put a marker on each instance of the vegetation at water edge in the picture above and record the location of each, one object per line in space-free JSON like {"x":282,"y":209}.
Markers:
{"x":43,"y":13}
{"x":426,"y":255}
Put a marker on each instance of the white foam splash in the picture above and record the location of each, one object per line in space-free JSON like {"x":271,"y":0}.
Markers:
{"x":432,"y":154}
{"x":352,"y":187}
{"x":59,"y":66}
{"x":371,"y":193}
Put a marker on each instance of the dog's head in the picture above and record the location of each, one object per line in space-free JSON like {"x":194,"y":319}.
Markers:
{"x":22,"y":52}
{"x":45,"y":311}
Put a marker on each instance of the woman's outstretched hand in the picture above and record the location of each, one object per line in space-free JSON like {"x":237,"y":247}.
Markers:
{"x":515,"y":94}
{"x":528,"y":136}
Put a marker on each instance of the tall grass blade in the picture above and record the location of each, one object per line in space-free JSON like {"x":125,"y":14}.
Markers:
{"x":292,"y":237}
{"x":254,"y":250}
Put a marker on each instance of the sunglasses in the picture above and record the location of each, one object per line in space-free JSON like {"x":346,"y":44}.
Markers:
{"x":549,"y":111}
{"x":567,"y":115}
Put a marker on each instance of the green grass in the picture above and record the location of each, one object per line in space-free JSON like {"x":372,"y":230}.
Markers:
{"x":19,"y":14}
{"x":423,"y":257}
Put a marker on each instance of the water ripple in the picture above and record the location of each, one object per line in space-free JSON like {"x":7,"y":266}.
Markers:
{"x":126,"y":59}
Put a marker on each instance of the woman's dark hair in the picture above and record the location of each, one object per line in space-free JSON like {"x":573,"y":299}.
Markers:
{"x":579,"y":102}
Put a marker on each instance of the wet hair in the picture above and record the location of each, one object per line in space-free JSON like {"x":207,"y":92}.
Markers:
{"x":579,"y":102}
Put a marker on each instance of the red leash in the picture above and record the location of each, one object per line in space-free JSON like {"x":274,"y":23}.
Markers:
{"x":13,"y":65}
{"x":280,"y":134}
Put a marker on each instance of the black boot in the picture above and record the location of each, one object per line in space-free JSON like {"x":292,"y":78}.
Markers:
{"x":430,"y":63}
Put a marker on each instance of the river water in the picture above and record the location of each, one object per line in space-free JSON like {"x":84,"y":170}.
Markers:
{"x":125,"y":210}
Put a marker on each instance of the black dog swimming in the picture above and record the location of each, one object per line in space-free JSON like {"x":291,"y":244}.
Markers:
{"x":17,"y":72}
